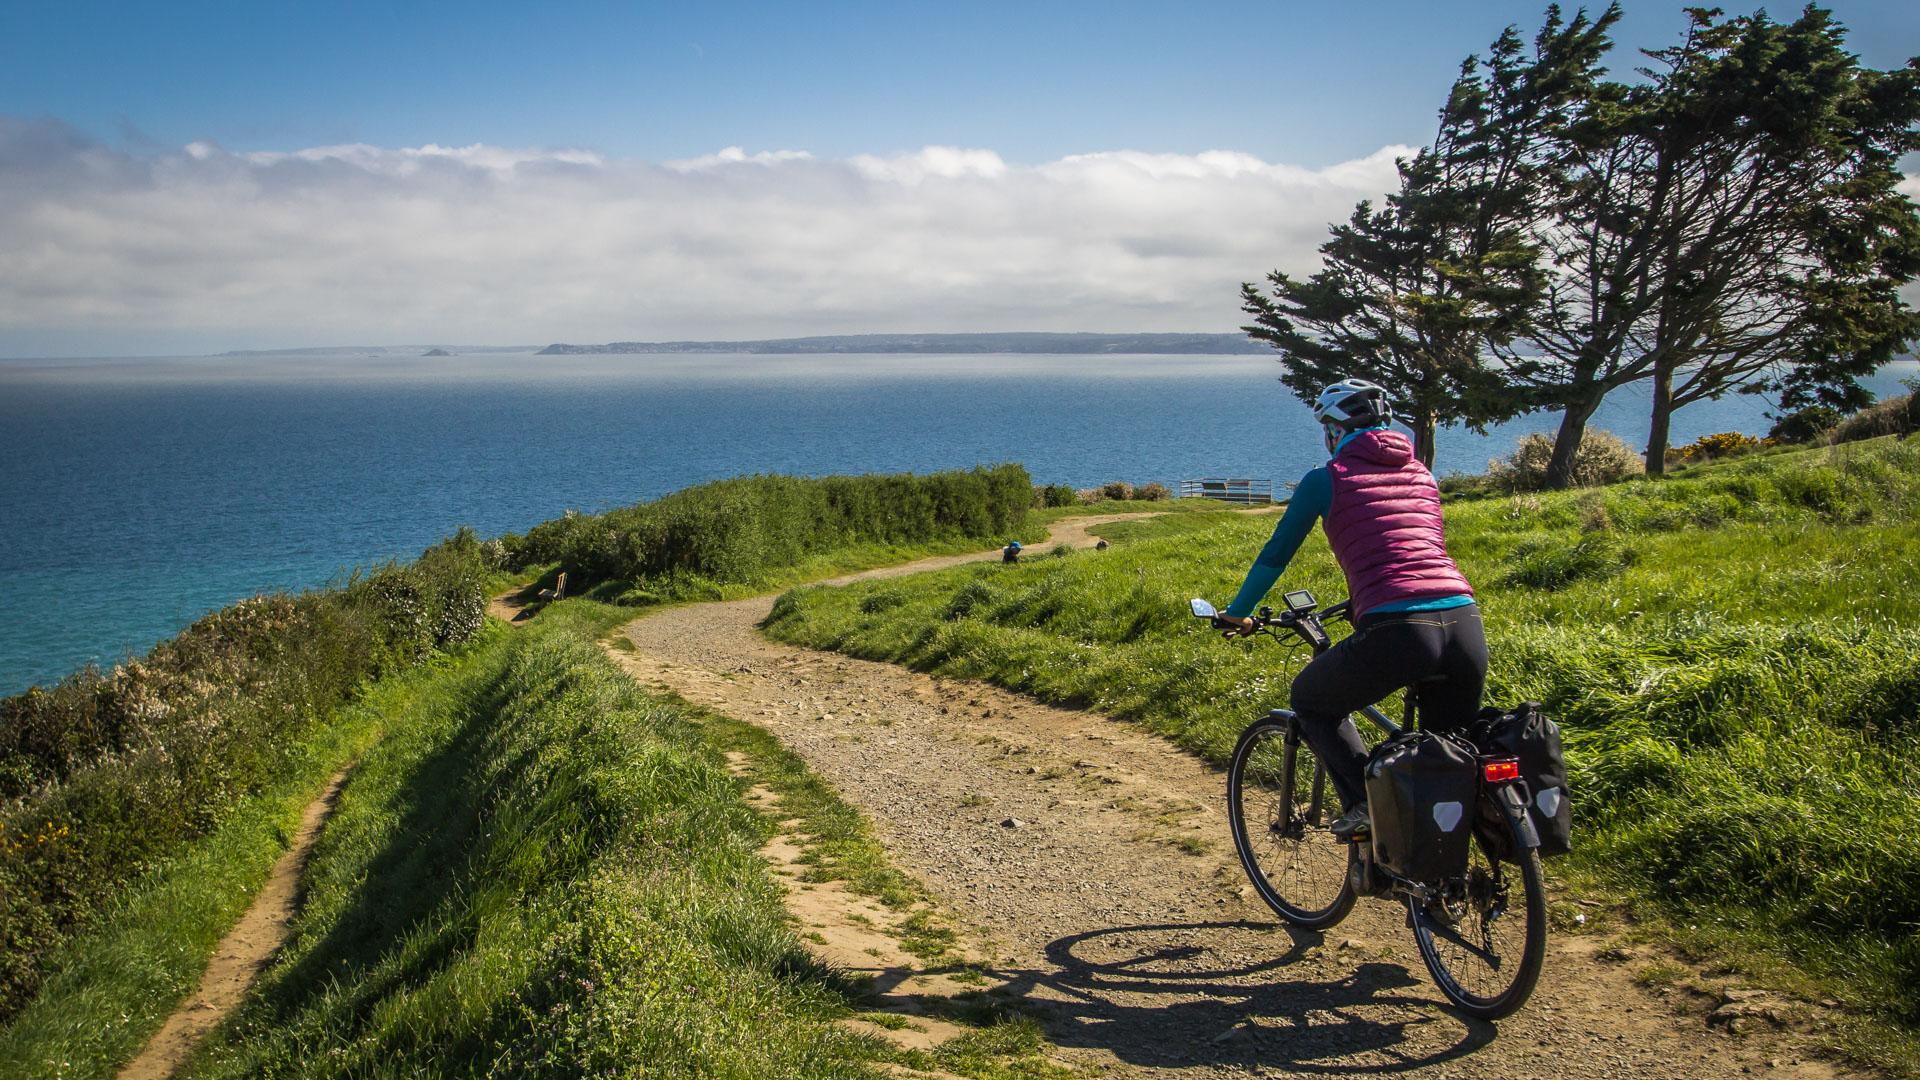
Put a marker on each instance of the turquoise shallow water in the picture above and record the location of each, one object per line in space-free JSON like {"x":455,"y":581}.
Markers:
{"x":139,"y":495}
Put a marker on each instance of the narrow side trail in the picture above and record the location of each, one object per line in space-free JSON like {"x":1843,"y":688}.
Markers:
{"x":1091,"y":863}
{"x":243,"y":953}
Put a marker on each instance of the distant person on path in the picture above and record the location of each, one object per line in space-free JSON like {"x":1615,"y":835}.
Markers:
{"x":1010,"y":553}
{"x":1414,"y":617}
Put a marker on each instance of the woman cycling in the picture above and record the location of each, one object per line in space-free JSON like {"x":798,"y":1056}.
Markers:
{"x":1415,"y":623}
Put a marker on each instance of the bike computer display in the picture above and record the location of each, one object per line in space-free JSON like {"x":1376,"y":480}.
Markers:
{"x":1298,"y":601}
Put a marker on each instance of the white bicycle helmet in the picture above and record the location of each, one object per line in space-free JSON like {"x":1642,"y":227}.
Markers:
{"x":1349,"y":405}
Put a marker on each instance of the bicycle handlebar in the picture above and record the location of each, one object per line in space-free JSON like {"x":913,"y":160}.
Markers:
{"x":1299,"y":620}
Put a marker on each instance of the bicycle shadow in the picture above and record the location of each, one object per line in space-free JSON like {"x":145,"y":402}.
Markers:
{"x":1239,"y":1014}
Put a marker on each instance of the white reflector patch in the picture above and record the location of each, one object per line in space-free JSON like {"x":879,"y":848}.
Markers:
{"x":1447,"y":815}
{"x":1548,"y":801}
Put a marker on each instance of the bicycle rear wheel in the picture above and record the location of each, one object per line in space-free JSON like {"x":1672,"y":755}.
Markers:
{"x":1484,"y":935}
{"x":1280,"y":804}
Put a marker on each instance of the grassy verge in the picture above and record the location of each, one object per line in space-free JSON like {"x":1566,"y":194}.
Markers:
{"x":109,"y":774}
{"x":1732,"y":653}
{"x":113,"y":987}
{"x":541,"y":870}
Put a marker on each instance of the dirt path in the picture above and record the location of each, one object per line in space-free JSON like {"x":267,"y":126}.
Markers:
{"x":1092,"y":864}
{"x":514,"y":606}
{"x":242,"y":954}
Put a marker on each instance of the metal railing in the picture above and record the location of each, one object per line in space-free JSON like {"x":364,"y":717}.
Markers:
{"x":1231,"y":489}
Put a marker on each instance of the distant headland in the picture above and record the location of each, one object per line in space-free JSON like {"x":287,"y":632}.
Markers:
{"x":939,"y":343}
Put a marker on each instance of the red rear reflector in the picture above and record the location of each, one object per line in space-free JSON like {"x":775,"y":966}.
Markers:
{"x":1508,"y":769}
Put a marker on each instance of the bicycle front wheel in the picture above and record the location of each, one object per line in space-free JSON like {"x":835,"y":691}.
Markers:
{"x":1484,"y":935}
{"x":1280,"y":804}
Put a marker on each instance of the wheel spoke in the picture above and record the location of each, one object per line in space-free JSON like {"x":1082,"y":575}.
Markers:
{"x":1441,"y":930}
{"x":1297,"y":866}
{"x":1483,"y":935}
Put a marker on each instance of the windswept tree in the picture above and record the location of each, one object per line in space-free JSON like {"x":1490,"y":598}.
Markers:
{"x":1416,"y":295}
{"x":1731,"y":224}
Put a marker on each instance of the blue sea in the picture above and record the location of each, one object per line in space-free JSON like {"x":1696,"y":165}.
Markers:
{"x":140,"y":494}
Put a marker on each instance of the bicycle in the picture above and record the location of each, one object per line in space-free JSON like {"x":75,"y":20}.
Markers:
{"x":1484,"y":958}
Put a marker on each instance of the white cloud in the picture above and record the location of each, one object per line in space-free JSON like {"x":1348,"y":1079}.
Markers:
{"x":734,"y":155}
{"x":406,"y":162}
{"x":479,"y":243}
{"x":941,"y":162}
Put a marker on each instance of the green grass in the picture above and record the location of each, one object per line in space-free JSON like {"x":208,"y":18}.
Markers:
{"x":1174,"y":524}
{"x":1732,"y":652}
{"x":541,"y":870}
{"x":108,"y":775}
{"x":112,"y":988}
{"x":1175,"y":507}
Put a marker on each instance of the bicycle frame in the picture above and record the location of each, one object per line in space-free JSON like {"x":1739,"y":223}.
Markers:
{"x":1445,"y":915}
{"x":1309,"y":625}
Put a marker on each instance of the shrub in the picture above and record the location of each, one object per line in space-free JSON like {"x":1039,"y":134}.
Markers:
{"x":1894,"y":416}
{"x":1457,"y":483}
{"x":1121,"y":491}
{"x":493,"y":553}
{"x":1723,"y":444}
{"x":107,"y":771}
{"x":1055,"y":495}
{"x":738,"y":531}
{"x":1804,"y":425}
{"x":1601,"y":459}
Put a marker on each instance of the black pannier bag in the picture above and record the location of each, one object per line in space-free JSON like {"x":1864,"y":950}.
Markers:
{"x":1421,"y":788}
{"x":1528,"y":734}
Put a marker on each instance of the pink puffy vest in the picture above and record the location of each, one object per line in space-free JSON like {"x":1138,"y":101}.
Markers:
{"x":1384,"y":524}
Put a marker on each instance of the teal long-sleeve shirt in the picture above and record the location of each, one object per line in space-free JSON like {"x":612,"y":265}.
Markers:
{"x":1312,"y":498}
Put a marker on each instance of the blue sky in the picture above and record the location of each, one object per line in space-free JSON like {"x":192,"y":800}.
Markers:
{"x":206,"y":176}
{"x":1309,"y":83}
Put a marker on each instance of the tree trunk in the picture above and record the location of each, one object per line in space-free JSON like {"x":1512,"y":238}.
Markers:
{"x":1566,"y":442}
{"x":1423,"y":435}
{"x":1662,"y":420}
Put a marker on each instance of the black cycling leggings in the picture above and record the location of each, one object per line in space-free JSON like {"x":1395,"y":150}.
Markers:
{"x":1385,"y":652}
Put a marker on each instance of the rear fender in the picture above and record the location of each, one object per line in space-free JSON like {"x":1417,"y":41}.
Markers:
{"x":1513,"y":804}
